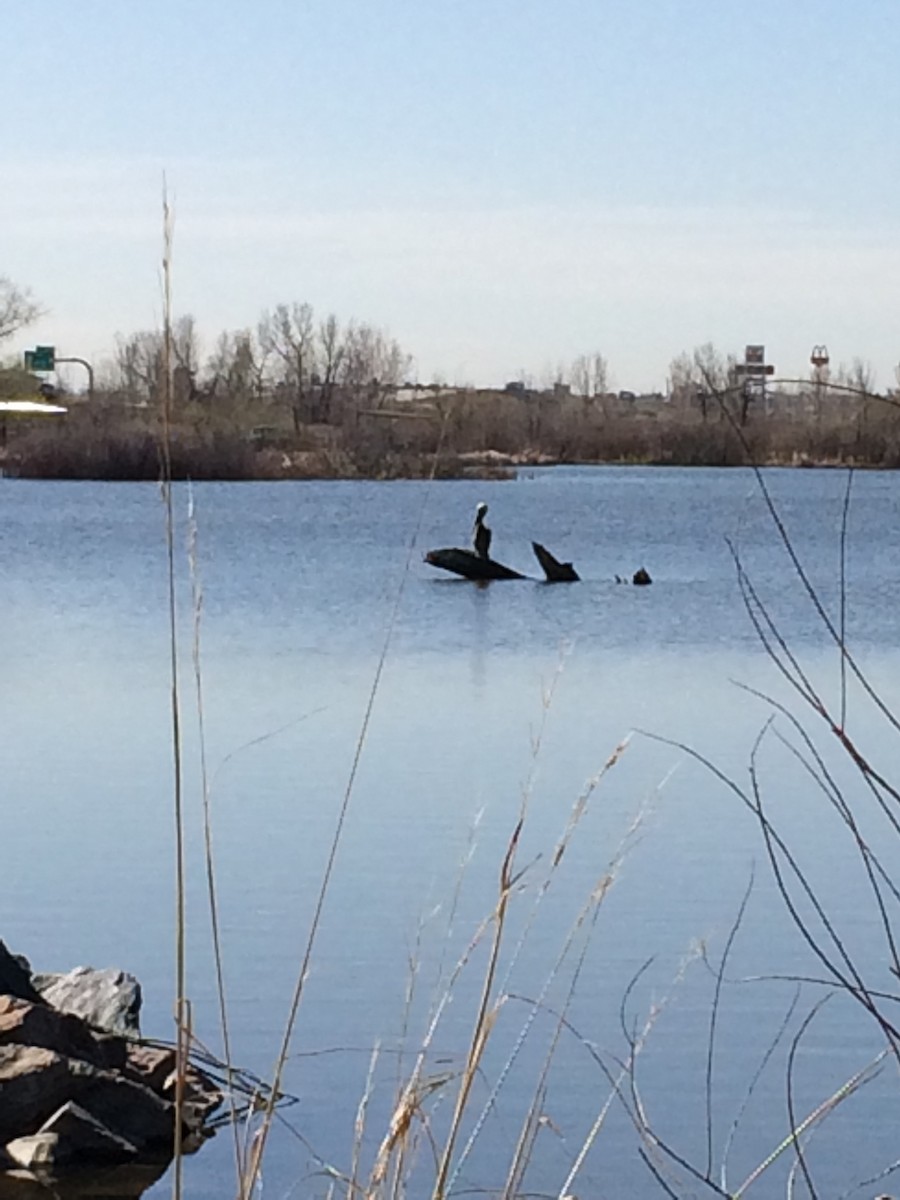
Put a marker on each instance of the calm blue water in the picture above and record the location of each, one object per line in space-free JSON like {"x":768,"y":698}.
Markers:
{"x":490,"y":699}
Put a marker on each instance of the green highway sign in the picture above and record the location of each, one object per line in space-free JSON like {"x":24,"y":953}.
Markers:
{"x":41,"y":358}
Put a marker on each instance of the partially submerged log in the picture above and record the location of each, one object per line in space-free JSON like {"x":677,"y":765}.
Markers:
{"x":554,"y":570}
{"x":469,"y":565}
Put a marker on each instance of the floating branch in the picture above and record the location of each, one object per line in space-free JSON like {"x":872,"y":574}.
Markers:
{"x":555,"y":571}
{"x":469,"y":565}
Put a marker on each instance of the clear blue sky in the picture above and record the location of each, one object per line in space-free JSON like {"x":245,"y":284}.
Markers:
{"x":503,"y":184}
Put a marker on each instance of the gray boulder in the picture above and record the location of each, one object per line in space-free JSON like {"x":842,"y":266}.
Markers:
{"x":107,"y":999}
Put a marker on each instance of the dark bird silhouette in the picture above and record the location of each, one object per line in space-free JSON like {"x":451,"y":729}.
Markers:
{"x":482,"y":535}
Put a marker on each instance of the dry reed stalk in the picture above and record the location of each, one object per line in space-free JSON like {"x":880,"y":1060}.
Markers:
{"x":359,"y":1126}
{"x":815,"y":1117}
{"x":400,"y":1158}
{"x":405,"y":1148}
{"x":415,"y":1088}
{"x":535,"y":1116}
{"x":181,"y":1014}
{"x":485,"y":1017}
{"x":212,"y":894}
{"x":596,"y":898}
{"x":591,"y":910}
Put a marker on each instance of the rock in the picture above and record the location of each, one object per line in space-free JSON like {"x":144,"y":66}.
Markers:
{"x":150,"y":1065}
{"x":107,"y":999}
{"x":25,"y":1024}
{"x":15,"y":976}
{"x":72,"y":1093}
{"x":70,"y":1135}
{"x":641,"y":577}
{"x":127,"y":1182}
{"x":34,"y":1083}
{"x":32,"y":1151}
{"x":129,"y":1110}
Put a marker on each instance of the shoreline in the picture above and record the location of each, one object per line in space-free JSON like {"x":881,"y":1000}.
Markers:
{"x":491,"y":465}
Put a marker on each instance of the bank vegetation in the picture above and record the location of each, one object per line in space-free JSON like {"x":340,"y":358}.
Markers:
{"x":305,"y":397}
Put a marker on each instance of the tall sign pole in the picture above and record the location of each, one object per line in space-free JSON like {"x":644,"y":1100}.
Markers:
{"x":820,"y":360}
{"x":45,"y":358}
{"x":87,"y":366}
{"x":754,"y":370}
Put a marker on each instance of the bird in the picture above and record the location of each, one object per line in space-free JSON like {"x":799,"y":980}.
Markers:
{"x":482,"y":535}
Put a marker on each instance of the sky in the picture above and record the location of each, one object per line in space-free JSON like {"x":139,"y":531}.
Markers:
{"x":502,"y":185}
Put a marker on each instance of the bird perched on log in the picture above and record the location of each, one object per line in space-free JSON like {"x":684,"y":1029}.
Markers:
{"x":482,"y":535}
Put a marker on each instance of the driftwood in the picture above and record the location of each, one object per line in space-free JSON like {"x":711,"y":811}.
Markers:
{"x":554,"y":570}
{"x":473,"y":566}
{"x":469,"y":565}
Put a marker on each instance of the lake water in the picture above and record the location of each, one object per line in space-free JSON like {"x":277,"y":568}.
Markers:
{"x":490,"y":699}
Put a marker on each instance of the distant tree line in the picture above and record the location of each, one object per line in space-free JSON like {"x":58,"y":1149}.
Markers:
{"x":319,"y":371}
{"x":302,"y":395}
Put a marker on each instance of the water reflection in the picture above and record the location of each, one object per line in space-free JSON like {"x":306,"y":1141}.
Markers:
{"x":299,"y":581}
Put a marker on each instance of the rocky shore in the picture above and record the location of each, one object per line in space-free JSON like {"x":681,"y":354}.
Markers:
{"x":79,"y":1087}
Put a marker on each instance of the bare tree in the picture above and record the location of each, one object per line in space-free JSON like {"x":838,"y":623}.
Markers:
{"x":682,"y":382}
{"x":331,"y":355}
{"x":712,"y":367}
{"x":372,"y":367}
{"x":237,"y":366}
{"x":861,"y":378}
{"x":289,"y":334}
{"x":139,"y":365}
{"x":589,"y":377}
{"x":17,"y":308}
{"x":704,"y":377}
{"x":185,"y":357}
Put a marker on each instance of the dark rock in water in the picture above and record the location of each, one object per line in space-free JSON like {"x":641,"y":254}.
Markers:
{"x":107,"y":999}
{"x":15,"y":976}
{"x":34,"y":1083}
{"x":641,"y":578}
{"x":70,"y":1135}
{"x":25,"y":1024}
{"x":153,"y":1066}
{"x":129,"y":1110}
{"x":127,"y":1182}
